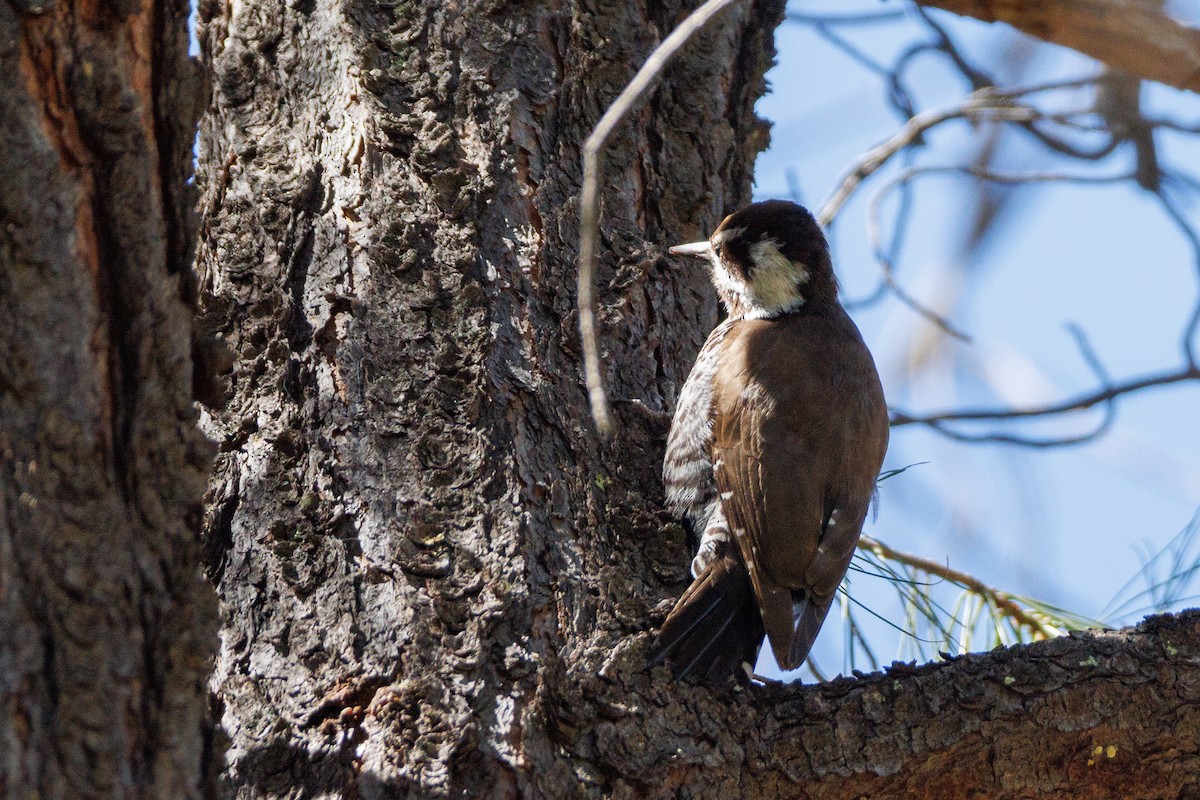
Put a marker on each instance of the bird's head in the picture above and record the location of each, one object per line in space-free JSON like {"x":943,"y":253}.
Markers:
{"x":768,"y":259}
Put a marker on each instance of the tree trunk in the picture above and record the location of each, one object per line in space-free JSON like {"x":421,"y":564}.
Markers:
{"x":435,"y":576}
{"x":107,"y":628}
{"x":419,"y":539}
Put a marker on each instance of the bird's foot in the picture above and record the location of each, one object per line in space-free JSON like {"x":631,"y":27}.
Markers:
{"x":657,"y":419}
{"x":713,"y":545}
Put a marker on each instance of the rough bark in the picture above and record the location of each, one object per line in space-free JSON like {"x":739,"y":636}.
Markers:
{"x":107,"y":628}
{"x":436,"y":578}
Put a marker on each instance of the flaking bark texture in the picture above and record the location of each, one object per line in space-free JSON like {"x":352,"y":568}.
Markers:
{"x":419,"y":540}
{"x":107,"y":627}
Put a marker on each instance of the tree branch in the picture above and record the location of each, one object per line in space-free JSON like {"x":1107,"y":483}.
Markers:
{"x":1131,"y":35}
{"x":1083,"y":715}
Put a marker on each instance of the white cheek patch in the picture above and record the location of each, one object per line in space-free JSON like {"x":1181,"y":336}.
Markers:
{"x":776,"y":278}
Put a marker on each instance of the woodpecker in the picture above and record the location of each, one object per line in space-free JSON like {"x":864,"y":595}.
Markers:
{"x":774,"y":450}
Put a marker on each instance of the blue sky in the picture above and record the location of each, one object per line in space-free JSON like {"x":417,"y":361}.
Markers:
{"x":1065,"y":525}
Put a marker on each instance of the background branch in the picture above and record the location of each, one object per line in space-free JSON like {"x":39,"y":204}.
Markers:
{"x":1132,"y":35}
{"x":1079,"y":403}
{"x":1053,"y":112}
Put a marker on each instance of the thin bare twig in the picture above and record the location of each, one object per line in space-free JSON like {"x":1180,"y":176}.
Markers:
{"x":1079,"y":403}
{"x":980,"y":106}
{"x":1187,"y":339}
{"x":863,"y":18}
{"x":889,"y":280}
{"x":885,"y":260}
{"x":589,"y":226}
{"x":899,"y":96}
{"x":995,"y":176}
{"x":1023,"y":441}
{"x":1106,"y":422}
{"x":985,"y":105}
{"x":976,"y":76}
{"x":1173,"y":124}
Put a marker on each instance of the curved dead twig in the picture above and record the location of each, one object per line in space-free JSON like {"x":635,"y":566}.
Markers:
{"x":1106,"y":422}
{"x":1024,"y":441}
{"x":589,"y":225}
{"x":900,"y":98}
{"x":945,"y":44}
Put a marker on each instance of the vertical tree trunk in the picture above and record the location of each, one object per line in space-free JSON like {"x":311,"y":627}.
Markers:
{"x":106,"y":626}
{"x":425,"y":552}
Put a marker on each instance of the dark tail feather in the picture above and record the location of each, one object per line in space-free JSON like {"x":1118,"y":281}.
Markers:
{"x":714,"y":627}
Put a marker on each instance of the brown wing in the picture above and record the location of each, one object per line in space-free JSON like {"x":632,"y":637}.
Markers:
{"x":798,"y":437}
{"x":738,"y":461}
